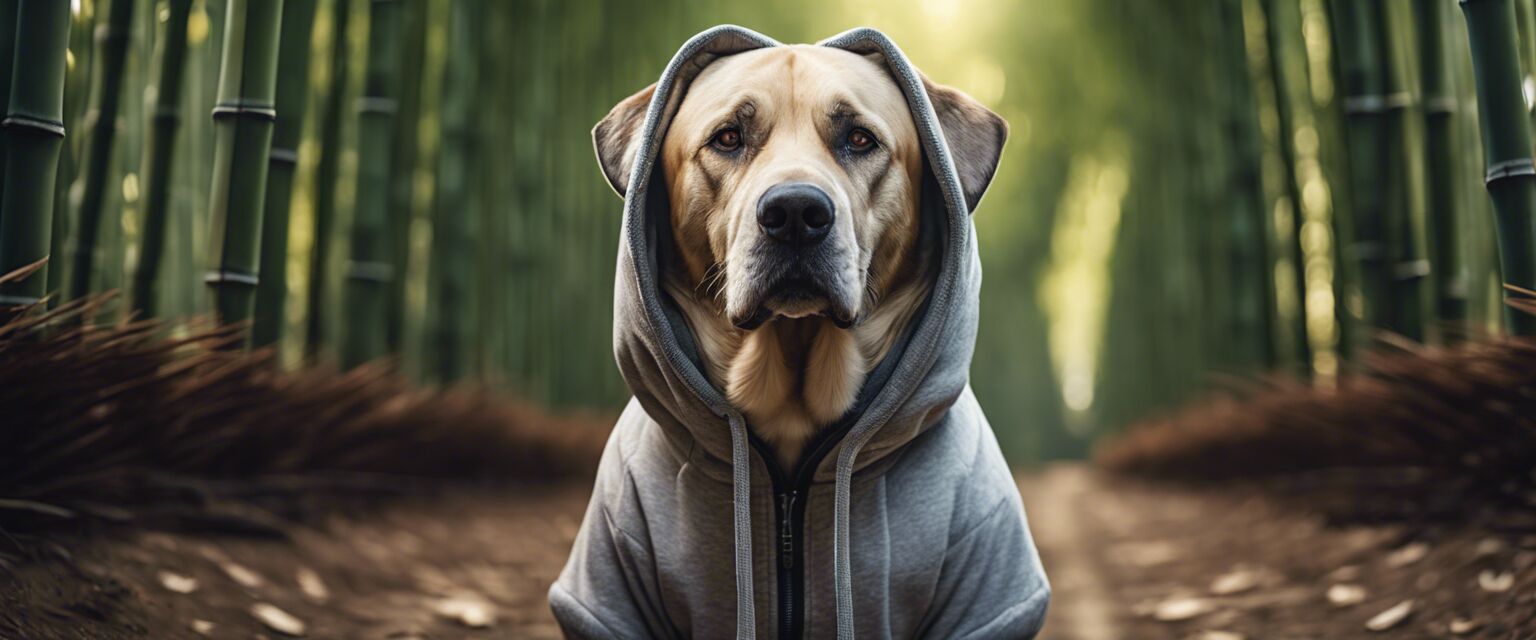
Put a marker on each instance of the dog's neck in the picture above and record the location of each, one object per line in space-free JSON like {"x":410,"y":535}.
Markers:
{"x":793,"y":377}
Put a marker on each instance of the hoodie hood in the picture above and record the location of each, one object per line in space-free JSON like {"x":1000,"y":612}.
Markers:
{"x":918,"y":379}
{"x":907,"y":393}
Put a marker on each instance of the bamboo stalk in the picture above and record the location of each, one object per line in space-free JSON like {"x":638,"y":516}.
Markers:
{"x":243,"y":120}
{"x":292,"y":102}
{"x":101,"y":123}
{"x":403,"y":168}
{"x":1440,"y":146}
{"x":369,"y":266}
{"x":1356,"y":40}
{"x":34,"y":135}
{"x":165,"y":120}
{"x":1404,"y":203}
{"x":1506,"y":129}
{"x":1286,"y":85}
{"x":7,"y":52}
{"x":1246,"y":249}
{"x":327,"y":172}
{"x":77,"y":92}
{"x":452,"y":267}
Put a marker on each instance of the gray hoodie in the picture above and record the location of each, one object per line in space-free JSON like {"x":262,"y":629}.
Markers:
{"x":905,"y":522}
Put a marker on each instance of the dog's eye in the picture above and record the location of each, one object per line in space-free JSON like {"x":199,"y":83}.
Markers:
{"x":860,"y":140}
{"x":727,"y":140}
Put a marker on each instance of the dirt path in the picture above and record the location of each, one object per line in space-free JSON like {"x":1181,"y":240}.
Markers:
{"x":1133,"y":560}
{"x":1127,"y":560}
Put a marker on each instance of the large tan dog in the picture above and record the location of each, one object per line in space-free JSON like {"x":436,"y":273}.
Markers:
{"x":795,"y":175}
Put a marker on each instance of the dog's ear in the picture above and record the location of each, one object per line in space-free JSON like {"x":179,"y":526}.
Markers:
{"x":975,"y":135}
{"x":615,"y":136}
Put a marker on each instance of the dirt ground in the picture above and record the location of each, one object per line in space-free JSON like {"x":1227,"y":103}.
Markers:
{"x":1127,"y":560}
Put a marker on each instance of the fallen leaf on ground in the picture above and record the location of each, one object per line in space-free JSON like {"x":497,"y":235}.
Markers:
{"x":202,"y":627}
{"x":312,"y":585}
{"x":1176,"y":609}
{"x":1344,"y":595}
{"x":469,"y":611}
{"x":1345,"y":573}
{"x":1495,"y":582}
{"x":1489,"y":547}
{"x":1464,"y":626}
{"x":1234,"y":582}
{"x":239,"y":573}
{"x":1218,"y":635}
{"x":1408,"y":554}
{"x":177,"y":583}
{"x":1391,"y":617}
{"x":278,"y":620}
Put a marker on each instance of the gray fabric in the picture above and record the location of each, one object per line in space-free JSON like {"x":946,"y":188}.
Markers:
{"x":655,"y":556}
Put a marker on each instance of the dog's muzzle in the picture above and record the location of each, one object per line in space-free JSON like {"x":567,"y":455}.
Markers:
{"x":795,"y":271}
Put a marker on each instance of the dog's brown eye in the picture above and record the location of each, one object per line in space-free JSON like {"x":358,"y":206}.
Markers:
{"x":727,"y":140}
{"x":860,"y":140}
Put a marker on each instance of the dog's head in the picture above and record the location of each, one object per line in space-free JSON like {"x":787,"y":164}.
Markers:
{"x":794,"y":175}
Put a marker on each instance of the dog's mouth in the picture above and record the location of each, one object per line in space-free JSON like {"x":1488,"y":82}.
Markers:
{"x":797,"y":297}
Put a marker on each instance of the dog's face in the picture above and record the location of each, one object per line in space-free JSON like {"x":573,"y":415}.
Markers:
{"x":789,"y":168}
{"x":794,"y":175}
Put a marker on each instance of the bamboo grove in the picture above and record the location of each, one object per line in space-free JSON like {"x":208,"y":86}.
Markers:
{"x":1193,"y":188}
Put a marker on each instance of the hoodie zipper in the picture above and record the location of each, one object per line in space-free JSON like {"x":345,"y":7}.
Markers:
{"x":789,"y":508}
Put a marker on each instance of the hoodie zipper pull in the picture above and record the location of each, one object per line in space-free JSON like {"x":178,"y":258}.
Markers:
{"x":786,"y":529}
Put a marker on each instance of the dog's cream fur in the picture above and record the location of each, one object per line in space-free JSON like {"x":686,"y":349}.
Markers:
{"x":794,"y":106}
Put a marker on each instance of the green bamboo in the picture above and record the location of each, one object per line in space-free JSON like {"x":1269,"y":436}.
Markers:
{"x":243,"y":120}
{"x":34,"y":135}
{"x":101,"y":124}
{"x":1440,"y":146}
{"x":7,"y":50}
{"x":292,"y":101}
{"x":77,"y":92}
{"x":160,"y":152}
{"x":1411,"y":296}
{"x":402,"y":173}
{"x":1506,"y":129}
{"x":1246,"y":248}
{"x":1358,"y":45}
{"x":451,"y":271}
{"x":369,"y":265}
{"x":327,"y":173}
{"x":1280,"y":22}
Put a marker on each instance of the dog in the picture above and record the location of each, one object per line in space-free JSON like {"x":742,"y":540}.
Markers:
{"x":794,"y":175}
{"x":795,"y":310}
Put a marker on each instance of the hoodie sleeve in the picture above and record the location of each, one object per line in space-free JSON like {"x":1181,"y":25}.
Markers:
{"x":992,"y":584}
{"x":608,"y":587}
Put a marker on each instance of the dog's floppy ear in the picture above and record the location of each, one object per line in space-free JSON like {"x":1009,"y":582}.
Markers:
{"x":615,"y":136}
{"x":975,"y":135}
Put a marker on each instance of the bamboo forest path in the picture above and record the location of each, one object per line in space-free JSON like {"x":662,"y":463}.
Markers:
{"x":1127,"y":559}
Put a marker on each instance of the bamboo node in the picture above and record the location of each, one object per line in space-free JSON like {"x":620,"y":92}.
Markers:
{"x":167,"y":114}
{"x":1377,"y":103}
{"x":279,"y":155}
{"x":1440,"y":105}
{"x":370,"y":271}
{"x":377,"y":105}
{"x":1412,"y":269}
{"x":230,"y":276}
{"x":42,"y":125}
{"x":238,"y":107}
{"x":1509,"y":169}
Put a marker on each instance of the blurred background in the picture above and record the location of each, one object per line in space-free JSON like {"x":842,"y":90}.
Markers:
{"x":1170,"y":214}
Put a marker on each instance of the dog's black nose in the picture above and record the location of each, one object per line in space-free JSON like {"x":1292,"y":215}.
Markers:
{"x":795,"y":213}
